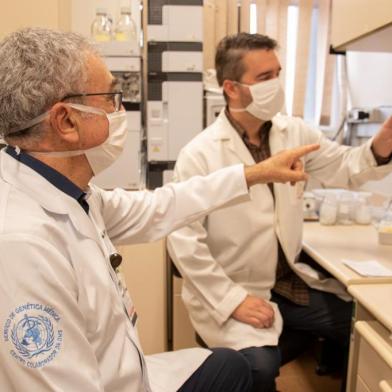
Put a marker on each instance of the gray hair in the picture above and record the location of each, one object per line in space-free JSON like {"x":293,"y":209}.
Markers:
{"x":38,"y":68}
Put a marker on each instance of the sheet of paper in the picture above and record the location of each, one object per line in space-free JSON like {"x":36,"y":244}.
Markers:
{"x":368,"y":268}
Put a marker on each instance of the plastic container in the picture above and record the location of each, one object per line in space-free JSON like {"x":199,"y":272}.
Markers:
{"x":102,"y":27}
{"x":345,"y":209}
{"x":328,"y":210}
{"x":125,"y":27}
{"x":385,"y":229}
{"x":310,"y":207}
{"x":362,"y":211}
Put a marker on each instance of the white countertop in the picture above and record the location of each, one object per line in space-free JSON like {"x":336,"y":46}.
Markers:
{"x":377,"y":299}
{"x":328,"y":245}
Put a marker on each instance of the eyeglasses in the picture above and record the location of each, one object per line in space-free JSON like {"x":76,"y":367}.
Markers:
{"x":115,"y":97}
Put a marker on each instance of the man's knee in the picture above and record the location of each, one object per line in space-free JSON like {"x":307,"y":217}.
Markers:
{"x":265,"y":363}
{"x":235,"y":367}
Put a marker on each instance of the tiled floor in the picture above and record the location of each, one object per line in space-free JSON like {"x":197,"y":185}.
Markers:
{"x":299,"y":376}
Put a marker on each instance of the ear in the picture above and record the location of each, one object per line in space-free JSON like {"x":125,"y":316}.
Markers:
{"x":64,"y":123}
{"x":231,"y":90}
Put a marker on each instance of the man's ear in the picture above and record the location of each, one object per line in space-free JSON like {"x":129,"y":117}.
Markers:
{"x":64,"y":123}
{"x":231,"y":89}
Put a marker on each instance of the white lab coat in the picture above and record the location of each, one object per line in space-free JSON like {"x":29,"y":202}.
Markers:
{"x":62,"y":319}
{"x":221,"y":256}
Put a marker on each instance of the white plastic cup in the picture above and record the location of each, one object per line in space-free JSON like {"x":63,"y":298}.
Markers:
{"x":328,"y":210}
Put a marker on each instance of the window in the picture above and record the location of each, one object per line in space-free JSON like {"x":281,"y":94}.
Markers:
{"x":291,"y":49}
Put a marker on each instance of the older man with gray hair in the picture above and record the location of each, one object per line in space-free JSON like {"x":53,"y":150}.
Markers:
{"x":67,"y":322}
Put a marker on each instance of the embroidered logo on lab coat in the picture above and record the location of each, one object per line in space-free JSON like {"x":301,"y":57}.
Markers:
{"x":33,"y":334}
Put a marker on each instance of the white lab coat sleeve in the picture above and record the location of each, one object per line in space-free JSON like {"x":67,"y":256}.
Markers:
{"x":38,"y":295}
{"x":189,"y":250}
{"x":339,"y":166}
{"x":136,"y":217}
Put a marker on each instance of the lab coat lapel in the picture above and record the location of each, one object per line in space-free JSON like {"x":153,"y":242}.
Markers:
{"x":278,"y":135}
{"x":46,"y":194}
{"x":227,"y":134}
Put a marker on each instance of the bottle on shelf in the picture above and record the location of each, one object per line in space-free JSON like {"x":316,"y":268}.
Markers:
{"x":125,"y":29}
{"x":102,"y":27}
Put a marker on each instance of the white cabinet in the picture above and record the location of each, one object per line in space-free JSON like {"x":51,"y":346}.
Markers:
{"x":183,"y":332}
{"x":370,"y":366}
{"x":375,"y":355}
{"x":354,"y":21}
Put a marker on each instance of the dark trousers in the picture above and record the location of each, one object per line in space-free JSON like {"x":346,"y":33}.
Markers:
{"x":264,"y":363}
{"x":326,"y":316}
{"x":225,"y":370}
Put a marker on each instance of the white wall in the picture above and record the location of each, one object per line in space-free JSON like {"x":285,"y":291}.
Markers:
{"x":370,"y":81}
{"x":38,"y":13}
{"x":83,"y":12}
{"x":370,"y":78}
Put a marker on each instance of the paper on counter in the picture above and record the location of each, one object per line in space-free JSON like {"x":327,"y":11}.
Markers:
{"x":368,"y":268}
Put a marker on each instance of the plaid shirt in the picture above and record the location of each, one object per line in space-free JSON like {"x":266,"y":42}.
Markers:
{"x":287,"y":283}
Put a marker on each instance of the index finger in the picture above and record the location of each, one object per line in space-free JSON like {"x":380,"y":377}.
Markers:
{"x":387,"y":123}
{"x":299,"y":152}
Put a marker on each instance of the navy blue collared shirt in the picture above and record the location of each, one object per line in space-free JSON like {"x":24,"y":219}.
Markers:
{"x":53,"y":176}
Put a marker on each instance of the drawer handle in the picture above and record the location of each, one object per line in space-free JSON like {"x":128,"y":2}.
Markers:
{"x":385,"y":386}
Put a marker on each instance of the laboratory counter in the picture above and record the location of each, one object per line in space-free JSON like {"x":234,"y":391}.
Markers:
{"x":330,"y":245}
{"x":370,"y":366}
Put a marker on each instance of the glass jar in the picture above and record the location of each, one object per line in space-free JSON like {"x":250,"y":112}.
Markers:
{"x":125,"y":28}
{"x":101,"y":28}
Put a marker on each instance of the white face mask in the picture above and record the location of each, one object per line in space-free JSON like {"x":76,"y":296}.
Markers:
{"x":104,"y":155}
{"x":267,"y":99}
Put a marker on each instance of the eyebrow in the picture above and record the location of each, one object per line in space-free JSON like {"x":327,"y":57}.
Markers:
{"x":267,"y":73}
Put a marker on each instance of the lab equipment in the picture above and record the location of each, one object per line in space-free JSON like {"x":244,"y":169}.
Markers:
{"x":362,"y":212}
{"x":310,"y":207}
{"x":339,"y":206}
{"x":364,"y":122}
{"x":174,"y":110}
{"x":385,"y":229}
{"x":102,"y":27}
{"x":125,"y":29}
{"x":329,"y":210}
{"x":345,"y":209}
{"x":127,"y":172}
